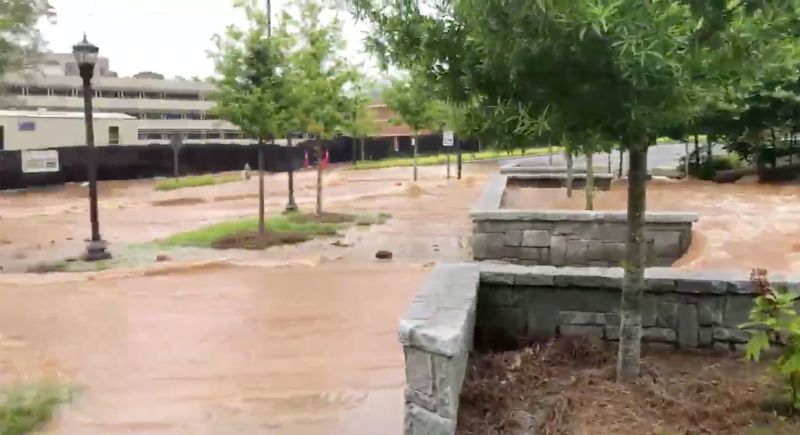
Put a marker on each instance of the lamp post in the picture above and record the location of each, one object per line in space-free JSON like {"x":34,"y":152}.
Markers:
{"x":86,"y":57}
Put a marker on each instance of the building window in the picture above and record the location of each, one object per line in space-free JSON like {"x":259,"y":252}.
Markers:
{"x":2,"y":138}
{"x":26,"y":126}
{"x":38,"y":92}
{"x":113,"y":135}
{"x":195,"y":135}
{"x":62,"y":92}
{"x":212,"y":135}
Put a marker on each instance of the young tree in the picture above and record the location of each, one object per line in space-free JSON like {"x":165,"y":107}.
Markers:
{"x":415,"y":106}
{"x":20,"y":39}
{"x":627,"y":70}
{"x":254,"y":87}
{"x":361,"y":121}
{"x":323,"y":75}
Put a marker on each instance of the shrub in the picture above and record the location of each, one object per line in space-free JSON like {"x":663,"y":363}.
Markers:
{"x":775,"y":317}
{"x":719,"y":162}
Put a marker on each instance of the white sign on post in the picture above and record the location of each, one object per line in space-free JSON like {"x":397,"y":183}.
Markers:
{"x":39,"y":161}
{"x":447,"y":138}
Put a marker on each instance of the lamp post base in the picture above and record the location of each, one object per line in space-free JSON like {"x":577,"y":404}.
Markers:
{"x":291,"y":207}
{"x":96,"y":250}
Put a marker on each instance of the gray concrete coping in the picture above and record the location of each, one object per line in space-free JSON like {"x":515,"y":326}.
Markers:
{"x":488,"y":208}
{"x":531,"y":169}
{"x":578,"y":215}
{"x":556,"y":176}
{"x":657,"y":279}
{"x":439,"y":319}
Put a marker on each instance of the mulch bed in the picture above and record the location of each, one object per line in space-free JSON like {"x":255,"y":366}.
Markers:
{"x":567,"y":387}
{"x":256,"y":241}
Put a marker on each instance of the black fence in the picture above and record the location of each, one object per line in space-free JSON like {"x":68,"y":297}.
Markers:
{"x":147,"y":161}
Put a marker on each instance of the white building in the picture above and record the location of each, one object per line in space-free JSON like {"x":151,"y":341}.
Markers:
{"x":161,"y":107}
{"x":30,"y":130}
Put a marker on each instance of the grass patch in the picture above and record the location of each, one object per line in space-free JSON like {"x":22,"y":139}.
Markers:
{"x":280,"y":230}
{"x":205,"y":237}
{"x":440,"y":159}
{"x":70,"y":265}
{"x":365,"y":220}
{"x":24,"y":409}
{"x":195,"y":181}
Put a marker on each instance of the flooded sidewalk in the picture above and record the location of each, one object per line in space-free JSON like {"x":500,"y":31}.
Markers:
{"x":292,"y":340}
{"x":223,"y":350}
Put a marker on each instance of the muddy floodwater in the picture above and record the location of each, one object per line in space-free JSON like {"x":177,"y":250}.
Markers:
{"x":741,"y":226}
{"x":291,"y":340}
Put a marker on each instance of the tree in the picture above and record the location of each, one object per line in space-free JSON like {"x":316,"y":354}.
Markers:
{"x":626,"y":70}
{"x":409,"y":99}
{"x":322,"y":75}
{"x":254,"y":86}
{"x":361,"y":121}
{"x":20,"y":40}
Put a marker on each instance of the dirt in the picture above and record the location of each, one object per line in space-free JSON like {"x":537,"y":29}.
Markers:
{"x":258,"y":241}
{"x":567,"y":387}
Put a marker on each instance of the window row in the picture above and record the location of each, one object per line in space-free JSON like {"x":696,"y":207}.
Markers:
{"x":103,"y":93}
{"x":196,"y":116}
{"x":193,"y":135}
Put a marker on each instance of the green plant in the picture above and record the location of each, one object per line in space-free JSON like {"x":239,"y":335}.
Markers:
{"x":24,"y":409}
{"x":774,"y":315}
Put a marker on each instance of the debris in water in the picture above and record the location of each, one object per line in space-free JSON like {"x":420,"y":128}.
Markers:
{"x":341,"y":244}
{"x":384,"y":255}
{"x":163,"y":257}
{"x":414,"y":191}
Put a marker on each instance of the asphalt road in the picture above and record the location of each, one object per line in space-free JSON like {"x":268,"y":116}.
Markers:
{"x":664,"y":155}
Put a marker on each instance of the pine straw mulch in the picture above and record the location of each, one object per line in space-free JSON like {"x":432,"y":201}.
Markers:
{"x":567,"y":387}
{"x":253,"y":240}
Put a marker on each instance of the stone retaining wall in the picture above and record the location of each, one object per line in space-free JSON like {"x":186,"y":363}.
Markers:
{"x":559,"y":180}
{"x":569,"y":238}
{"x":436,"y":335}
{"x":687,"y":308}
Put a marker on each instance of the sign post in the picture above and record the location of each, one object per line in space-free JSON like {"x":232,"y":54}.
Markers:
{"x":447,"y":142}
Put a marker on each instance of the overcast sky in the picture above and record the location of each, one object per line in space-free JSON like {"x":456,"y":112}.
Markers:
{"x":170,"y":37}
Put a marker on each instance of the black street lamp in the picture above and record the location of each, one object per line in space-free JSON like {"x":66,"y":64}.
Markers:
{"x":86,"y":57}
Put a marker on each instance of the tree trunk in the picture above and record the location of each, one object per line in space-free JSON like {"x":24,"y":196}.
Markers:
{"x":362,"y":148}
{"x":696,"y":152}
{"x":568,"y":157}
{"x":686,"y":162}
{"x":550,"y":156}
{"x":589,"y":181}
{"x":709,"y":153}
{"x":291,"y":205}
{"x":610,"y":171}
{"x":355,"y":151}
{"x":621,"y":161}
{"x":261,"y":225}
{"x":416,"y":145}
{"x":630,"y":335}
{"x":774,"y":148}
{"x":176,"y":162}
{"x":458,"y":157}
{"x":319,"y":178}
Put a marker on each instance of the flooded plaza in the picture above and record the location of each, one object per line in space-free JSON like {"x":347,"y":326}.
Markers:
{"x":292,"y":340}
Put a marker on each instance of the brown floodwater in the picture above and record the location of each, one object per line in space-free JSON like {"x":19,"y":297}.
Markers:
{"x":291,"y":340}
{"x":741,"y":225}
{"x":222,"y":350}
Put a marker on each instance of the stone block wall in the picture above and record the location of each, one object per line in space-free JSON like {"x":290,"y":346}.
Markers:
{"x":686,"y":308}
{"x":569,"y":238}
{"x":602,"y":181}
{"x":436,"y":335}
